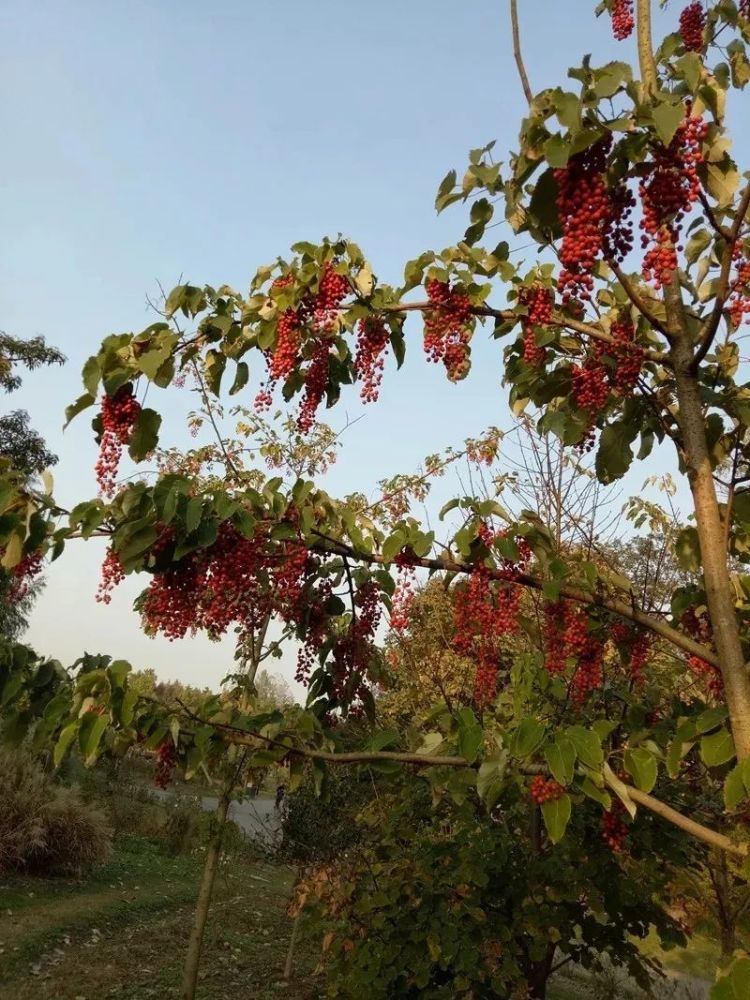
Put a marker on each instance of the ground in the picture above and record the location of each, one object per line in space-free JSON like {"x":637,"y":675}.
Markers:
{"x":122,"y":932}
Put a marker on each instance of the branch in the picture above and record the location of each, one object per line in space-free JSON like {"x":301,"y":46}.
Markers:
{"x":704,"y":833}
{"x":659,"y":808}
{"x":711,"y":325}
{"x":527,"y":92}
{"x":646,"y":59}
{"x":637,"y":299}
{"x":620,"y":608}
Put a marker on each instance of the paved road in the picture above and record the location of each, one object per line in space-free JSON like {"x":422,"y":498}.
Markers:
{"x":257,"y":818}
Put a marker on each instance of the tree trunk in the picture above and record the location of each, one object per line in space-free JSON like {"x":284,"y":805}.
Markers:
{"x":716,"y":578}
{"x":213,"y":854}
{"x":292,"y":946}
{"x":725,"y":914}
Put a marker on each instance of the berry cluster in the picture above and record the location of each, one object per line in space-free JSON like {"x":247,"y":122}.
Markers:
{"x":544,"y":790}
{"x":165,"y":761}
{"x":668,"y":191}
{"x":614,"y":831}
{"x":628,"y":356}
{"x":23,"y":575}
{"x":590,"y":385}
{"x":538,"y":301}
{"x":119,"y":414}
{"x":692,"y":26}
{"x":112,"y":574}
{"x":567,"y":637}
{"x":303,"y":342}
{"x":701,"y":668}
{"x":448,"y":328}
{"x":636,"y":643}
{"x":739,"y":297}
{"x":744,"y":8}
{"x":486,"y":609}
{"x":595,"y":221}
{"x":372,"y":341}
{"x":403,"y":598}
{"x":622,"y":19}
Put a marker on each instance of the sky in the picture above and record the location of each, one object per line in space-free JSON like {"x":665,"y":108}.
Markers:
{"x":148,"y":141}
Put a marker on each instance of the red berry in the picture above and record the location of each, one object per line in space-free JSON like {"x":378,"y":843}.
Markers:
{"x":622,"y":19}
{"x":692,"y":25}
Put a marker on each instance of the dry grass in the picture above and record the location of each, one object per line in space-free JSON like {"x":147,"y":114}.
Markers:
{"x":45,"y":828}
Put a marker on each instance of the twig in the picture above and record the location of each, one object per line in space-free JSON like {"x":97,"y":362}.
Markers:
{"x":711,"y":325}
{"x":527,"y":92}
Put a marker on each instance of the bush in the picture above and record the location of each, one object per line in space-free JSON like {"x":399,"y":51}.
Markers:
{"x":45,"y":828}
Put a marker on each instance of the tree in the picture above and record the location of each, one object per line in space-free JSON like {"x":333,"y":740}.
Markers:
{"x":25,"y":452}
{"x":606,"y":348}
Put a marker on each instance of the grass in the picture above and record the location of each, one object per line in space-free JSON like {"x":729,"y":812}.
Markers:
{"x":122,"y":931}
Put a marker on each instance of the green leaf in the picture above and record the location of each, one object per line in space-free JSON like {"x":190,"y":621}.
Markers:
{"x":588,"y":745}
{"x":145,"y":435}
{"x":490,"y":777}
{"x":89,"y":735}
{"x":241,"y":378}
{"x":64,"y":742}
{"x":561,"y":759}
{"x":556,"y":814}
{"x":688,"y":551}
{"x":215,"y":363}
{"x":667,"y":117}
{"x":193,"y":514}
{"x":556,"y":151}
{"x":734,"y":788}
{"x":710,"y":719}
{"x":527,"y":738}
{"x":642,"y":766}
{"x":127,"y":707}
{"x":735,"y":983}
{"x":91,"y":374}
{"x":82,"y":403}
{"x":469,"y":734}
{"x":614,"y":455}
{"x":597,"y":794}
{"x":717,"y":749}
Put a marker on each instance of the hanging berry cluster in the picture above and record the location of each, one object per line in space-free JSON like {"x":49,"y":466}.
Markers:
{"x":23,"y":575}
{"x":623,"y":21}
{"x":165,"y":761}
{"x":595,"y":220}
{"x":112,"y":575}
{"x":636,"y":645}
{"x":448,"y":328}
{"x":614,"y":830}
{"x":668,"y":191}
{"x":544,"y":790}
{"x":697,"y":624}
{"x":486,"y":609}
{"x":608,"y":367}
{"x":568,"y":637}
{"x":538,"y":301}
{"x":119,"y":415}
{"x":692,"y":26}
{"x":303,"y":342}
{"x":739,"y":296}
{"x":403,"y":598}
{"x":372,"y":342}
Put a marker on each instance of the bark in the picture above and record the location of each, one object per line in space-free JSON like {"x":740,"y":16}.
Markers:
{"x":716,"y":577}
{"x":205,"y":892}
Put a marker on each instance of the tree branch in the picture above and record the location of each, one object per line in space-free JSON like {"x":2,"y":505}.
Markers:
{"x":649,"y":76}
{"x":710,"y":327}
{"x":527,"y":92}
{"x":637,"y":299}
{"x":620,"y":608}
{"x":698,"y":830}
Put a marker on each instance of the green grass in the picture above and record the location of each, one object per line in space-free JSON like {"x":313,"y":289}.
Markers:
{"x":122,"y":931}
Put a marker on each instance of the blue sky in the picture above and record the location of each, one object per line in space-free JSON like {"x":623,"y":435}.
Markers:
{"x":146,"y":141}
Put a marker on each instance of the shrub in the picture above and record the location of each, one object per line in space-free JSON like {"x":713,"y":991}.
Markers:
{"x":45,"y":828}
